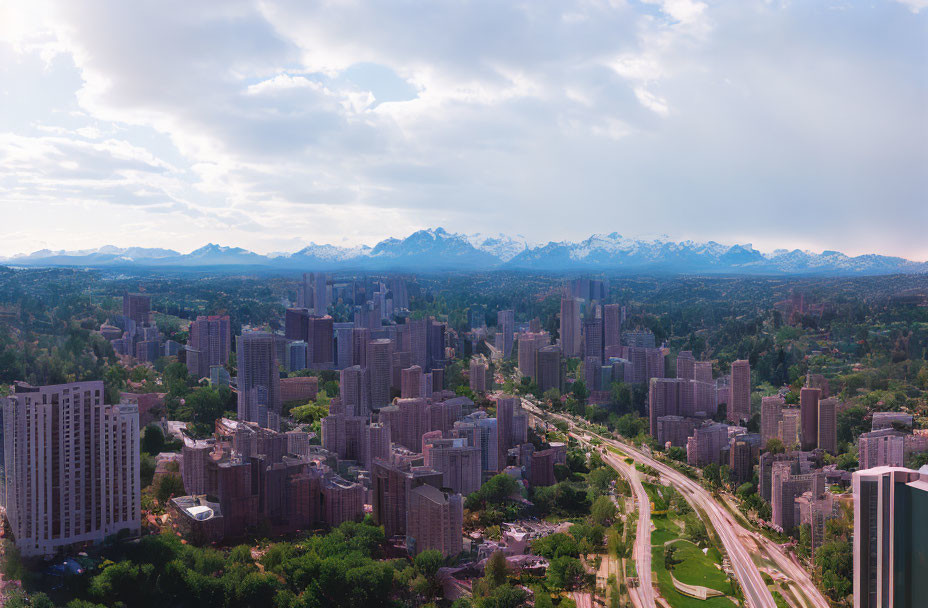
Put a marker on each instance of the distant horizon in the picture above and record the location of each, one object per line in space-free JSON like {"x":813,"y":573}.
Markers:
{"x":532,"y":243}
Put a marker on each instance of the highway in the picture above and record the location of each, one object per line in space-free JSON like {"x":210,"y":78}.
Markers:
{"x":642,"y":595}
{"x":755,"y":590}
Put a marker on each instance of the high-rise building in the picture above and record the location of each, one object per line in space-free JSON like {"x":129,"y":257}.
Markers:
{"x":505,"y":325}
{"x":458,"y":462}
{"x":786,"y":486}
{"x":380,"y":359}
{"x":612,"y":326}
{"x":435,"y":521}
{"x":354,"y":390}
{"x":507,"y":409}
{"x":890,"y":538}
{"x":686,"y":365}
{"x":702,"y":371}
{"x":771,"y":414}
{"x":360,"y":339}
{"x":72,"y":467}
{"x":706,"y":444}
{"x":391,"y":487}
{"x":742,"y":453}
{"x":828,"y":425}
{"x":593,"y":336}
{"x":570,"y":326}
{"x":790,"y":427}
{"x":258,"y":380}
{"x":529,"y":343}
{"x":549,"y":368}
{"x":739,"y":404}
{"x":136,"y":307}
{"x":674,"y":430}
{"x":478,"y":375}
{"x":411,"y":385}
{"x":883,"y":448}
{"x":417,"y":333}
{"x":808,"y":406}
{"x":209,"y":344}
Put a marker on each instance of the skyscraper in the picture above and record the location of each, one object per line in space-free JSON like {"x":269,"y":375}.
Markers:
{"x":354,"y":390}
{"x":890,"y":538}
{"x":612,"y":326}
{"x":380,"y":359}
{"x":136,"y":307}
{"x":209,"y":344}
{"x":258,"y":380}
{"x":570,"y":326}
{"x":828,"y":425}
{"x":434,"y":521}
{"x":72,"y":467}
{"x":808,"y":406}
{"x":771,"y":414}
{"x":505,"y":324}
{"x":548,"y":368}
{"x":686,"y":365}
{"x":739,"y":404}
{"x":411,"y":385}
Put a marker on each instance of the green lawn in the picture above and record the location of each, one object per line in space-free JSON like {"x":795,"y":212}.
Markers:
{"x":695,"y":568}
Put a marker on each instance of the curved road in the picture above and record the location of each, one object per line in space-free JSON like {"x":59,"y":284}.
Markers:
{"x":643,"y":595}
{"x":756,"y":593}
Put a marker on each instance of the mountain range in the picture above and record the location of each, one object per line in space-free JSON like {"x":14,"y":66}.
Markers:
{"x":439,"y":250}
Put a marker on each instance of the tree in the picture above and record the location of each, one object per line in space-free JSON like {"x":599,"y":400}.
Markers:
{"x":496,"y":570}
{"x":677,"y":453}
{"x":153,"y":439}
{"x":712,"y":473}
{"x":725,"y":474}
{"x":775,"y":446}
{"x":580,"y":391}
{"x":168,"y":486}
{"x":600,"y":479}
{"x":670,"y":561}
{"x":565,"y":572}
{"x":603,"y":510}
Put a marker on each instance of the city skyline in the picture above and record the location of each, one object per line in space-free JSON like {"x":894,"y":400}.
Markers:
{"x":269,"y":126}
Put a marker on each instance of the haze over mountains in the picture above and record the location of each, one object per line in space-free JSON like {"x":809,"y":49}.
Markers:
{"x":437,"y":249}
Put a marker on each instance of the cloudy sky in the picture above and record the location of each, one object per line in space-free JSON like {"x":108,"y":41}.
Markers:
{"x":268,"y":125}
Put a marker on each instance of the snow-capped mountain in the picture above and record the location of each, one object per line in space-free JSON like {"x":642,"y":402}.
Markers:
{"x":437,"y":250}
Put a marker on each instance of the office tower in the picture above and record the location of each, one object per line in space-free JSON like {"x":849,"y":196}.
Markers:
{"x":686,"y":365}
{"x":668,"y":397}
{"x":771,"y":414}
{"x":507,"y":408}
{"x":739,"y":403}
{"x":458,"y":462}
{"x":344,"y":344}
{"x":814,"y":511}
{"x":391,"y":485}
{"x":541,"y":469}
{"x":890,"y":538}
{"x":828,"y":425}
{"x":808,"y":406}
{"x":790,"y":427}
{"x":400,"y":292}
{"x":702,"y":371}
{"x":296,"y":356}
{"x":411,"y":424}
{"x":401,"y":360}
{"x":612,"y":327}
{"x":481,"y":432}
{"x":258,"y":380}
{"x":438,"y":379}
{"x":705,"y":445}
{"x":639,"y":339}
{"x":376,"y":443}
{"x":820,"y":382}
{"x":321,"y":343}
{"x":299,"y":388}
{"x":435,"y":521}
{"x":342,"y":500}
{"x":209,"y":344}
{"x":742,"y":450}
{"x":296,"y":324}
{"x":71,"y":467}
{"x":380,"y":359}
{"x":360,"y":339}
{"x":418,"y":342}
{"x":478,"y":375}
{"x":354,"y":390}
{"x":883,"y":448}
{"x":505,"y":325}
{"x":343,"y":435}
{"x":548,"y":367}
{"x":136,"y":307}
{"x":529,"y":343}
{"x":320,"y":294}
{"x":411,"y":385}
{"x":675,"y":430}
{"x":593,"y":336}
{"x":570,"y":326}
{"x":194,"y":457}
{"x":786,"y":486}
{"x":592,"y":373}
{"x":436,"y":342}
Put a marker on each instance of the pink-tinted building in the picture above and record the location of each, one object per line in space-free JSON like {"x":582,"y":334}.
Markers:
{"x":435,"y":521}
{"x":478,"y":375}
{"x":739,"y":403}
{"x":458,"y":462}
{"x":771,"y":414}
{"x":209,"y":343}
{"x":343,"y":500}
{"x":411,"y":385}
{"x":808,"y":406}
{"x":883,"y":448}
{"x":542,"y":468}
{"x":380,"y":359}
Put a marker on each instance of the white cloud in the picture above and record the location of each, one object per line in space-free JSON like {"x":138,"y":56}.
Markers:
{"x":259,"y":123}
